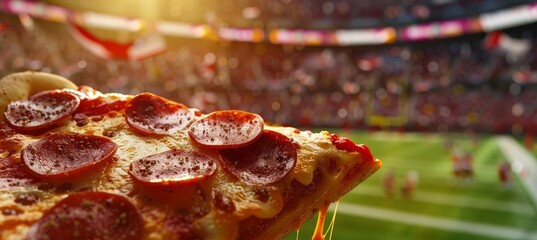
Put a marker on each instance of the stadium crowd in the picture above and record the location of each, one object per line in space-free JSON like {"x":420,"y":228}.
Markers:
{"x":342,"y":13}
{"x":435,"y":86}
{"x":374,"y":9}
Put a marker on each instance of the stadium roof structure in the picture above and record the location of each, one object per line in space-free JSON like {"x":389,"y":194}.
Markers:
{"x":309,"y":14}
{"x":93,"y":15}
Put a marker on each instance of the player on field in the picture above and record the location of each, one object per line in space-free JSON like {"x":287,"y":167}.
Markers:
{"x":388,"y":183}
{"x":411,"y":181}
{"x":505,"y":175}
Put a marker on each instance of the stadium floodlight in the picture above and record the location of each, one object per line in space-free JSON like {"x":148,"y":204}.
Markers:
{"x":511,"y":17}
{"x":365,"y":36}
{"x":182,"y":29}
{"x":107,"y":21}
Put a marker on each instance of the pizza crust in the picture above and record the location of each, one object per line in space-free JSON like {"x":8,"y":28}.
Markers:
{"x":19,"y":86}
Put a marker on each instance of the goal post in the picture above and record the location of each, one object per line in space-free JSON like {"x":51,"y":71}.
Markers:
{"x":388,"y":105}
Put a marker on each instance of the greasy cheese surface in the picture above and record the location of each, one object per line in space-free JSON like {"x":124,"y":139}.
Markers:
{"x":315,"y":151}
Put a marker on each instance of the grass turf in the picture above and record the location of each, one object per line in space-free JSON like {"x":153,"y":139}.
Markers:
{"x":427,"y":155}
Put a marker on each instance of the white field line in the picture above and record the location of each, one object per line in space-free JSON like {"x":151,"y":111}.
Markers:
{"x":489,"y":230}
{"x":456,"y":200}
{"x":407,"y":137}
{"x":516,"y":155}
{"x":422,"y":168}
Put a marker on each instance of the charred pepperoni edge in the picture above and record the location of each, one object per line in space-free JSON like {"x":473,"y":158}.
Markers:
{"x":73,"y":172}
{"x":345,"y":144}
{"x":46,"y":124}
{"x":132,"y":118}
{"x":231,"y":158}
{"x":88,"y":201}
{"x":220,"y":115}
{"x":135,"y":168}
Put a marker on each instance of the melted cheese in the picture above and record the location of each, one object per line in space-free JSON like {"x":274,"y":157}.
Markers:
{"x":315,"y":152}
{"x":318,"y":233}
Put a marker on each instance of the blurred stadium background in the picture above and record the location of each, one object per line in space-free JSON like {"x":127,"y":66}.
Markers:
{"x":443,"y":91}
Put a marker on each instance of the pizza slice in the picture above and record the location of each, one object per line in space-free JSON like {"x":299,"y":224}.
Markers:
{"x":82,"y":164}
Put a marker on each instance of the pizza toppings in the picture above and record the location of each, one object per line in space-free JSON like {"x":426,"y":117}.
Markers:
{"x":89,"y":215}
{"x":27,"y":199}
{"x":224,"y":203}
{"x":11,"y":211}
{"x":13,"y":173}
{"x":93,"y":102}
{"x":6,"y":132}
{"x":88,"y":92}
{"x":345,"y":144}
{"x":153,"y":115}
{"x":41,"y":110}
{"x":262,"y":194}
{"x":80,"y":95}
{"x":181,"y":226}
{"x":98,"y":106}
{"x":173,"y":167}
{"x":266,"y":161}
{"x":227,"y":129}
{"x":61,"y":156}
{"x":10,"y":141}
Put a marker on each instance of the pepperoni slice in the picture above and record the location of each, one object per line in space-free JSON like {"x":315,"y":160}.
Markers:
{"x":6,"y":131}
{"x":173,"y":167}
{"x":150,"y":114}
{"x":345,"y":144}
{"x":10,"y":142}
{"x":41,"y":110}
{"x":93,"y":102}
{"x":89,"y":215}
{"x":265,"y":161}
{"x":101,"y":106}
{"x":62,"y":156}
{"x":13,"y":173}
{"x":181,"y":226}
{"x":226,"y":129}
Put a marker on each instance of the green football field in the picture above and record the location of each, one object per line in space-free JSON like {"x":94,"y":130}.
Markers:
{"x":441,"y":207}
